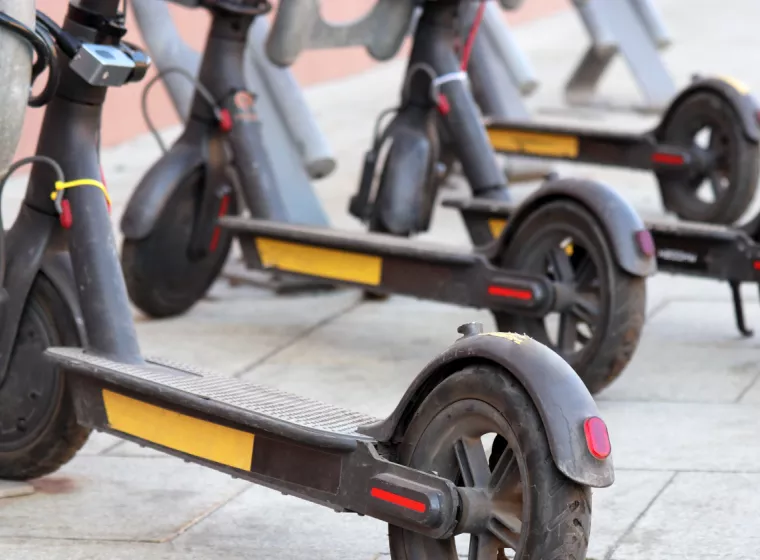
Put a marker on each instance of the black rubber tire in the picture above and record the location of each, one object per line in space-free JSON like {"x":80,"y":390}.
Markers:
{"x":557,"y":511}
{"x":53,"y":436}
{"x":622,"y":296}
{"x":163,"y":279}
{"x":741,"y":168}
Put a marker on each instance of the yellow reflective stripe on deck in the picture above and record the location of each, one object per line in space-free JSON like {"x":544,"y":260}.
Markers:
{"x":320,"y":262}
{"x":180,"y":432}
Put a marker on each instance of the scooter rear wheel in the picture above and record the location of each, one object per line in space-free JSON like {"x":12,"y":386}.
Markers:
{"x":708,"y":122}
{"x":600,"y":328}
{"x":38,"y":427}
{"x":163,"y":278}
{"x":525,"y":503}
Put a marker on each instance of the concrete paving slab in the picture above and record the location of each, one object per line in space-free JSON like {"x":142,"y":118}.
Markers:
{"x":752,"y":394}
{"x":98,"y":443}
{"x":699,"y":515}
{"x":237,"y":327}
{"x":275,"y":526}
{"x":616,"y":508}
{"x":125,"y":499}
{"x":46,"y":549}
{"x":704,"y":323}
{"x":684,"y":373}
{"x":365,"y":359}
{"x":683,"y":436}
{"x":15,"y":489}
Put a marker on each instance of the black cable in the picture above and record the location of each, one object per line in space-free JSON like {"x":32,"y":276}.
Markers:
{"x":44,"y":97}
{"x":69,"y":44}
{"x":199,"y":87}
{"x":12,"y":169}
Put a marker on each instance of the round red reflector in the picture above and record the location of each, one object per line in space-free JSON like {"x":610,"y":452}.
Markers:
{"x":597,"y":438}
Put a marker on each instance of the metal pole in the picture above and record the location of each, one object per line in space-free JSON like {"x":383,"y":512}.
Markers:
{"x":291,"y":106}
{"x":15,"y":74}
{"x":169,"y":50}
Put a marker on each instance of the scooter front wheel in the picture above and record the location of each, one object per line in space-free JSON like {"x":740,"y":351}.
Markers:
{"x":707,"y":123}
{"x":599,"y":326}
{"x":523,"y":503}
{"x":38,"y":427}
{"x":164,"y":278}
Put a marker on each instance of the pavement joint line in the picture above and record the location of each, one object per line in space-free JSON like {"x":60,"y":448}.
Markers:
{"x":248,"y":368}
{"x":111,"y":448}
{"x":656,"y":309}
{"x":203,"y":516}
{"x":656,"y":401}
{"x":747,"y":389}
{"x":632,"y":526}
{"x":685,"y":471}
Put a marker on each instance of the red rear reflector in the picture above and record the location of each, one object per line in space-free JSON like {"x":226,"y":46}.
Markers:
{"x":597,"y":438}
{"x":397,"y":500}
{"x":511,"y":293}
{"x":645,"y":241}
{"x":756,"y":264}
{"x":667,"y":159}
{"x":223,"y":206}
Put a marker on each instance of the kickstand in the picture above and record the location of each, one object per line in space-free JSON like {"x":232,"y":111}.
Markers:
{"x":739,"y":309}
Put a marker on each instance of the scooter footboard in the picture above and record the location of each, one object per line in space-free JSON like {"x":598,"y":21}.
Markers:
{"x":292,"y":444}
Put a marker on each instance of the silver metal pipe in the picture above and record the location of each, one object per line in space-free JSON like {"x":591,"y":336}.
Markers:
{"x":15,"y":75}
{"x":291,"y":106}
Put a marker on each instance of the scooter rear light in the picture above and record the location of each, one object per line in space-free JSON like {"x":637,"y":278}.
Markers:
{"x":510,"y":293}
{"x":597,"y":438}
{"x":645,"y":242}
{"x":664,"y":158}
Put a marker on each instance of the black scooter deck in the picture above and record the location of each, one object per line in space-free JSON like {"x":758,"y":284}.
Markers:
{"x":633,"y":151}
{"x":289,"y":443}
{"x":690,"y":248}
{"x":389,"y":264}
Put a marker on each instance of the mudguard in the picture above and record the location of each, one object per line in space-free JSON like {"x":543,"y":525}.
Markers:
{"x":617,"y":217}
{"x":57,"y":268}
{"x":158,"y":185}
{"x":734,"y":92}
{"x":406,"y":196}
{"x":560,"y":396}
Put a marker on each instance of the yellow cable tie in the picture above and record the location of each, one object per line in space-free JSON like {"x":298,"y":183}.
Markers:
{"x":61,"y":185}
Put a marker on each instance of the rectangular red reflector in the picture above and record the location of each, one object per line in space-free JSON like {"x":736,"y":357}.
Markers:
{"x":756,"y":264}
{"x":511,"y":293}
{"x":597,"y":438}
{"x":645,"y":242}
{"x":397,"y":500}
{"x":667,"y":159}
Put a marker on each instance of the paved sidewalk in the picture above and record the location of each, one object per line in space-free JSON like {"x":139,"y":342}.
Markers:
{"x":684,"y":418}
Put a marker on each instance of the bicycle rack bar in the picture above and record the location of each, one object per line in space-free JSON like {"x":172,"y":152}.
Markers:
{"x":633,"y":29}
{"x":499,"y":93}
{"x":299,"y":26}
{"x":168,"y":50}
{"x":15,"y":79}
{"x":291,"y":105}
{"x":503,"y":45}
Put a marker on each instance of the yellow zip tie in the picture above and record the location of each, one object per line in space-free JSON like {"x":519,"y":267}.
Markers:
{"x":61,"y":185}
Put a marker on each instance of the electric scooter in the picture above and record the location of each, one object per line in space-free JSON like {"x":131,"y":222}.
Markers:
{"x":704,"y":152}
{"x":175,"y":242}
{"x":70,"y":362}
{"x":730,"y":254}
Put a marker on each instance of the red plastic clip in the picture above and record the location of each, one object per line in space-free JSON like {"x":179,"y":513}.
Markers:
{"x":443,"y":105}
{"x":65,"y":217}
{"x":225,"y":120}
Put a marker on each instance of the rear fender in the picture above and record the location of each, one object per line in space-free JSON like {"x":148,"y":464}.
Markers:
{"x":619,"y":220}
{"x":560,"y":396}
